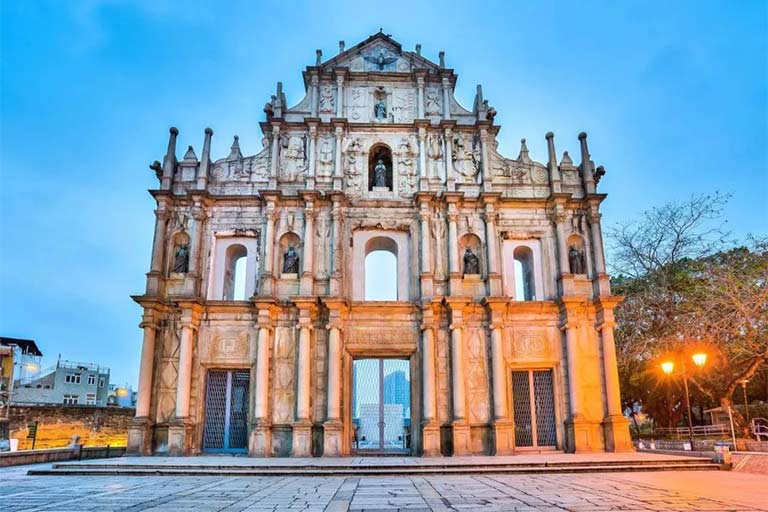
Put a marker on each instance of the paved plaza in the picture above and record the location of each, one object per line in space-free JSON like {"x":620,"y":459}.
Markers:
{"x":667,"y":491}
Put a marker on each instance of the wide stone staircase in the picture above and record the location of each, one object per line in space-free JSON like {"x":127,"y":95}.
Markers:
{"x":383,"y":467}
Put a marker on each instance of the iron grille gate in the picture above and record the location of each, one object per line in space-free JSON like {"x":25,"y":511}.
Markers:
{"x":533,"y":399}
{"x":226,"y":411}
{"x":381,"y":411}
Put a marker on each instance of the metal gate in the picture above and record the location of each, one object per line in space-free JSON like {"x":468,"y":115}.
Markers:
{"x":226,"y":411}
{"x":381,"y":410}
{"x":533,"y":398}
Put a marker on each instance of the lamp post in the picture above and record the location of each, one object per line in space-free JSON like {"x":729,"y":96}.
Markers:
{"x":699,"y":359}
{"x":744,"y":383}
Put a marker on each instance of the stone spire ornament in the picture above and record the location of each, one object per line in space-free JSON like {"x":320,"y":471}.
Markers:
{"x":234,"y":151}
{"x":318,"y":57}
{"x":190,"y":155}
{"x":523,"y":157}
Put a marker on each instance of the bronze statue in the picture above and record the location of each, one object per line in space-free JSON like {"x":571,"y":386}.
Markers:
{"x":471,"y":262}
{"x":380,"y":174}
{"x":380,"y":110}
{"x":290,"y":261}
{"x":181,"y":260}
{"x":576,"y":260}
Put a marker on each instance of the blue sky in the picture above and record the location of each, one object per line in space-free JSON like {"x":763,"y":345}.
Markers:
{"x":672,"y":94}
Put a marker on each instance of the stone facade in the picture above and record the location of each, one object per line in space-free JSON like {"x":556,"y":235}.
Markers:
{"x":500,"y":270}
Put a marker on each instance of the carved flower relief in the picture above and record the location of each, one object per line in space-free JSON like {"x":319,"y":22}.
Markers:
{"x":432,"y":102}
{"x":539,"y":174}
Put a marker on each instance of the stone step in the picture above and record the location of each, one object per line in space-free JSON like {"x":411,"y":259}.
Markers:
{"x":277,"y":465}
{"x":159,"y":470}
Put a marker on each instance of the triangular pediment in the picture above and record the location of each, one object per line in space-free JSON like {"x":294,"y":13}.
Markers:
{"x":379,"y":53}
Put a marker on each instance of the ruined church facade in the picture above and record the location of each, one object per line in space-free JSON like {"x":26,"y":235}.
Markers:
{"x":259,"y":334}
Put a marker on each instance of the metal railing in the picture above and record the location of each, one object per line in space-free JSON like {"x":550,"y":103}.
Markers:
{"x":759,"y":428}
{"x":698,"y":431}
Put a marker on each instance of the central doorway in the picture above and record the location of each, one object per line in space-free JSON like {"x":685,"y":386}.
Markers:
{"x":381,"y":405}
{"x":533,"y":399}
{"x":226,"y":411}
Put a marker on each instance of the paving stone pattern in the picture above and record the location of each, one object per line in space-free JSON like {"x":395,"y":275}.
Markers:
{"x":578,"y":492}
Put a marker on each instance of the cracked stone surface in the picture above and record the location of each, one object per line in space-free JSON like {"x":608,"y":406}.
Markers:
{"x":658,"y":491}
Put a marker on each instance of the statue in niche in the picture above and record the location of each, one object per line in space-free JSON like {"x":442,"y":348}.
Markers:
{"x":576,"y":260}
{"x":290,"y":261}
{"x":432,"y":102}
{"x":471,"y":262}
{"x":181,"y":259}
{"x":380,"y":174}
{"x":380,"y":110}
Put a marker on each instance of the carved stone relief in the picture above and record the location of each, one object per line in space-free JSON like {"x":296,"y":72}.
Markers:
{"x":325,"y":157}
{"x":284,"y":376}
{"x":293,"y":157}
{"x":433,"y":102}
{"x":403,"y":105}
{"x":358,"y":108}
{"x":327,"y":102}
{"x":466,"y":158}
{"x":477,"y":377}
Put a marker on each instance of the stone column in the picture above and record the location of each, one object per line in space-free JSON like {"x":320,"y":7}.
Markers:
{"x":426,"y":239}
{"x":140,"y":428}
{"x":158,"y":247}
{"x":462,"y":444}
{"x":492,"y":244}
{"x":615,"y":425}
{"x":500,"y":409}
{"x":486,"y":163}
{"x":423,"y":171}
{"x":169,"y":163}
{"x":430,"y":427}
{"x":450,"y":179}
{"x":446,"y":98}
{"x":334,"y":374}
{"x":571,"y":352}
{"x":310,"y":184}
{"x":274,"y":156}
{"x":313,"y":96}
{"x":261,"y":402}
{"x":302,"y":427}
{"x":338,"y":172}
{"x":260,"y":438}
{"x":184,"y":382}
{"x":267,"y":280}
{"x":307,"y":275}
{"x":205,"y":161}
{"x":179,"y":437}
{"x":146,"y":370}
{"x":420,"y":97}
{"x":603,"y":287}
{"x":336,"y":260}
{"x":454,"y":271}
{"x":503,"y":427}
{"x":340,"y":95}
{"x":562,"y":242}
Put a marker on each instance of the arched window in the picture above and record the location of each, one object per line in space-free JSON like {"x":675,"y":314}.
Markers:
{"x":525,"y":287}
{"x":235,"y":267}
{"x":381,"y":277}
{"x":380,"y":167}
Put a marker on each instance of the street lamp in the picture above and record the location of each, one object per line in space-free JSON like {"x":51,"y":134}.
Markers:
{"x":744,"y":383}
{"x":699,"y":359}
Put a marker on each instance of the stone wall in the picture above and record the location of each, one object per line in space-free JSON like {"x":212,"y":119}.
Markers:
{"x":96,"y":426}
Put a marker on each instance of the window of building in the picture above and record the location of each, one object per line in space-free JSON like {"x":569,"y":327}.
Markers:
{"x":71,"y":399}
{"x":90,"y":399}
{"x":524,"y":282}
{"x":72,"y":378}
{"x":91,"y":380}
{"x":381,"y":269}
{"x":101,"y":382}
{"x":234,"y":272}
